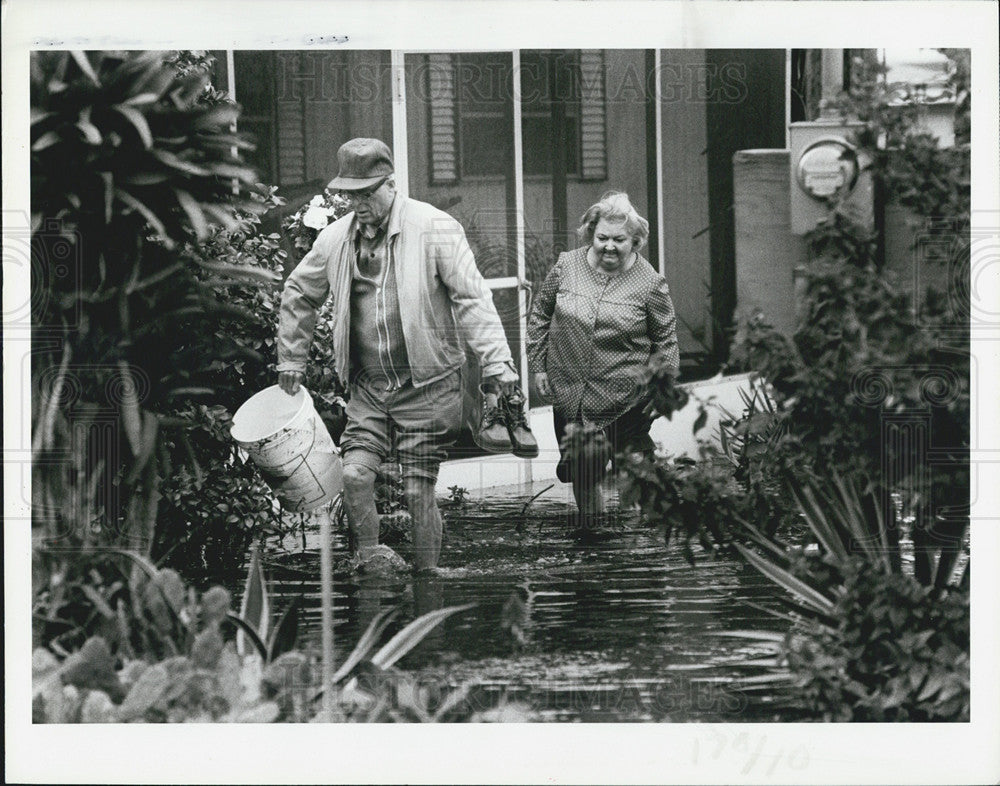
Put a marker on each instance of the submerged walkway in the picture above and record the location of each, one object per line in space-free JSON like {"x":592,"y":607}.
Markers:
{"x":613,"y":627}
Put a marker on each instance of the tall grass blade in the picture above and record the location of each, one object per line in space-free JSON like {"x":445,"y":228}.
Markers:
{"x":137,"y":559}
{"x":366,"y":643}
{"x":774,"y":545}
{"x":772,"y":637}
{"x":452,"y":700}
{"x":249,"y":633}
{"x":890,"y":547}
{"x":255,"y":608}
{"x":791,"y":619}
{"x":862,"y":531}
{"x":410,"y":636}
{"x":764,"y":679}
{"x":286,"y":631}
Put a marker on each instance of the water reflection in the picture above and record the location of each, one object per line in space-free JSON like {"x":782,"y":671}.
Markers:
{"x":612,"y":628}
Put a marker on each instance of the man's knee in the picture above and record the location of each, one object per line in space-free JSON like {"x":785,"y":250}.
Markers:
{"x":358,"y":480}
{"x":418,"y":490}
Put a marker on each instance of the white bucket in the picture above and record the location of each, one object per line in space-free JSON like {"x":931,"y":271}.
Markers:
{"x":291,"y":447}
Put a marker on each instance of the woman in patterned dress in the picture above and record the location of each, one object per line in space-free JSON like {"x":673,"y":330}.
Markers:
{"x":600,"y":315}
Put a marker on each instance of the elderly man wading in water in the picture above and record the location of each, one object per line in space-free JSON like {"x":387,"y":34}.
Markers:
{"x":407,"y":297}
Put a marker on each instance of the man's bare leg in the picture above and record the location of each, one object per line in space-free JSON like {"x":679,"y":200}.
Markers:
{"x":426,"y":521}
{"x":359,"y":502}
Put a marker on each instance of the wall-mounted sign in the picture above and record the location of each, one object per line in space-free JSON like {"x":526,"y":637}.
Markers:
{"x":827,"y":168}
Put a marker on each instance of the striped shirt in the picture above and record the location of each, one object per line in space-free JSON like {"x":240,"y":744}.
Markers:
{"x":593,"y":334}
{"x":377,"y":343}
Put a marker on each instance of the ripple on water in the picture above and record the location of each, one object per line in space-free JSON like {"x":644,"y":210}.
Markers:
{"x":617,"y":626}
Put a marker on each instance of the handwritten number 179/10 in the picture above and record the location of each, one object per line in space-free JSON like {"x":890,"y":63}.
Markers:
{"x":751,"y":750}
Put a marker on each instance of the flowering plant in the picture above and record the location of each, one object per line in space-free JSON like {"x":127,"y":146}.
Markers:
{"x":309,"y":220}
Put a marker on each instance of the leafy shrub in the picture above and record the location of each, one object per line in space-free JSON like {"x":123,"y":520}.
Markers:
{"x":898,"y":651}
{"x":859,"y":361}
{"x":196,"y":675}
{"x":697,"y":499}
{"x":868,"y":639}
{"x":129,"y":164}
{"x":174,"y":664}
{"x":306,"y":223}
{"x":866,"y":353}
{"x":172,"y":299}
{"x":214,"y":504}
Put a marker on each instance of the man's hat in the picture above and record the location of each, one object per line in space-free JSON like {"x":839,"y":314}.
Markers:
{"x":363,"y":163}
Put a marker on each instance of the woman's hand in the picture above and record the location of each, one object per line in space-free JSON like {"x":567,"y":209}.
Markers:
{"x":543,"y":384}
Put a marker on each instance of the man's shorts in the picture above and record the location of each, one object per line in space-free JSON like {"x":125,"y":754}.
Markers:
{"x":420,"y":423}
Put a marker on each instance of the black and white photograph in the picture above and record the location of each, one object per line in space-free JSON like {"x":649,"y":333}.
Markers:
{"x":622,"y":369}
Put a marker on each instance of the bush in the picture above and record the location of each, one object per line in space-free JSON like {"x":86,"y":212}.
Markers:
{"x":698,"y":500}
{"x":172,"y":302}
{"x":898,"y":652}
{"x":866,"y":430}
{"x":170,"y":660}
{"x":215,"y":504}
{"x":129,"y":163}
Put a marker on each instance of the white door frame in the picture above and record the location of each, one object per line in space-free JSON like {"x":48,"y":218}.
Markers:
{"x":400,"y":148}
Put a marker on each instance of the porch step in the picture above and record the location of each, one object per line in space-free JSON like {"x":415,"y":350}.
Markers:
{"x":674,"y":436}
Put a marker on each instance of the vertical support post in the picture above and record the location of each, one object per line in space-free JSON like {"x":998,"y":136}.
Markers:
{"x":654,"y":158}
{"x":788,"y":98}
{"x":400,"y":153}
{"x":557,"y":141}
{"x":231,"y":89}
{"x":524,"y":471}
{"x":326,"y":600}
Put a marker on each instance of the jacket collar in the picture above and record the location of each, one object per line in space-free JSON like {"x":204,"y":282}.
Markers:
{"x":395,"y":222}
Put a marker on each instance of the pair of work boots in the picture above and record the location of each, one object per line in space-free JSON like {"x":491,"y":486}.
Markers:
{"x":503,"y":427}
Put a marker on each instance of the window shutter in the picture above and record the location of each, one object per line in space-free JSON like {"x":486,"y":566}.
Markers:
{"x":593,"y":133}
{"x":291,"y":132}
{"x":443,"y":138}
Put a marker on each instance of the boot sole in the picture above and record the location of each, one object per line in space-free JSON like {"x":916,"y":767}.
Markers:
{"x":522,"y":452}
{"x":494,"y":447}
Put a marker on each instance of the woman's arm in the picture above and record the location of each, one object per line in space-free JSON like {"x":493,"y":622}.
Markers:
{"x":661,"y":321}
{"x":540,"y":319}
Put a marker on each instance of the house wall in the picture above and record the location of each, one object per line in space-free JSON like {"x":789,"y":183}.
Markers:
{"x":686,"y":262}
{"x":484,"y":200}
{"x":768,"y":252}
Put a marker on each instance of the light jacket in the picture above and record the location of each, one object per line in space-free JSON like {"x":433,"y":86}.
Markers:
{"x":593,"y":334}
{"x":444,"y":302}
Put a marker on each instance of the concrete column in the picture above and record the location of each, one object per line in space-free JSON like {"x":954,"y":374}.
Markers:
{"x":831,"y":80}
{"x":767,"y":252}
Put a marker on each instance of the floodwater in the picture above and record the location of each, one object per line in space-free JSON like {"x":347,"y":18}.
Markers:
{"x":610,"y":627}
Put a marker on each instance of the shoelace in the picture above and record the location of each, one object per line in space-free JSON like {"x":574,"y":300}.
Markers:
{"x":491,"y":416}
{"x":515,"y":410}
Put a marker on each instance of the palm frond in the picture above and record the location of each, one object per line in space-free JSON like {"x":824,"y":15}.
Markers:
{"x":810,"y":596}
{"x":822,"y":527}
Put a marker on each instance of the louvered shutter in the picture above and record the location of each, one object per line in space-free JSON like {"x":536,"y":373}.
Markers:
{"x":593,"y":131}
{"x":444,"y":141}
{"x":291,"y":132}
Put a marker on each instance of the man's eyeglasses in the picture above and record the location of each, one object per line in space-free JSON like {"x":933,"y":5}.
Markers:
{"x":361,"y":196}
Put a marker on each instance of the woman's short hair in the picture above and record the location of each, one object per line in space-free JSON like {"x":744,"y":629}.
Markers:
{"x":614,"y":206}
